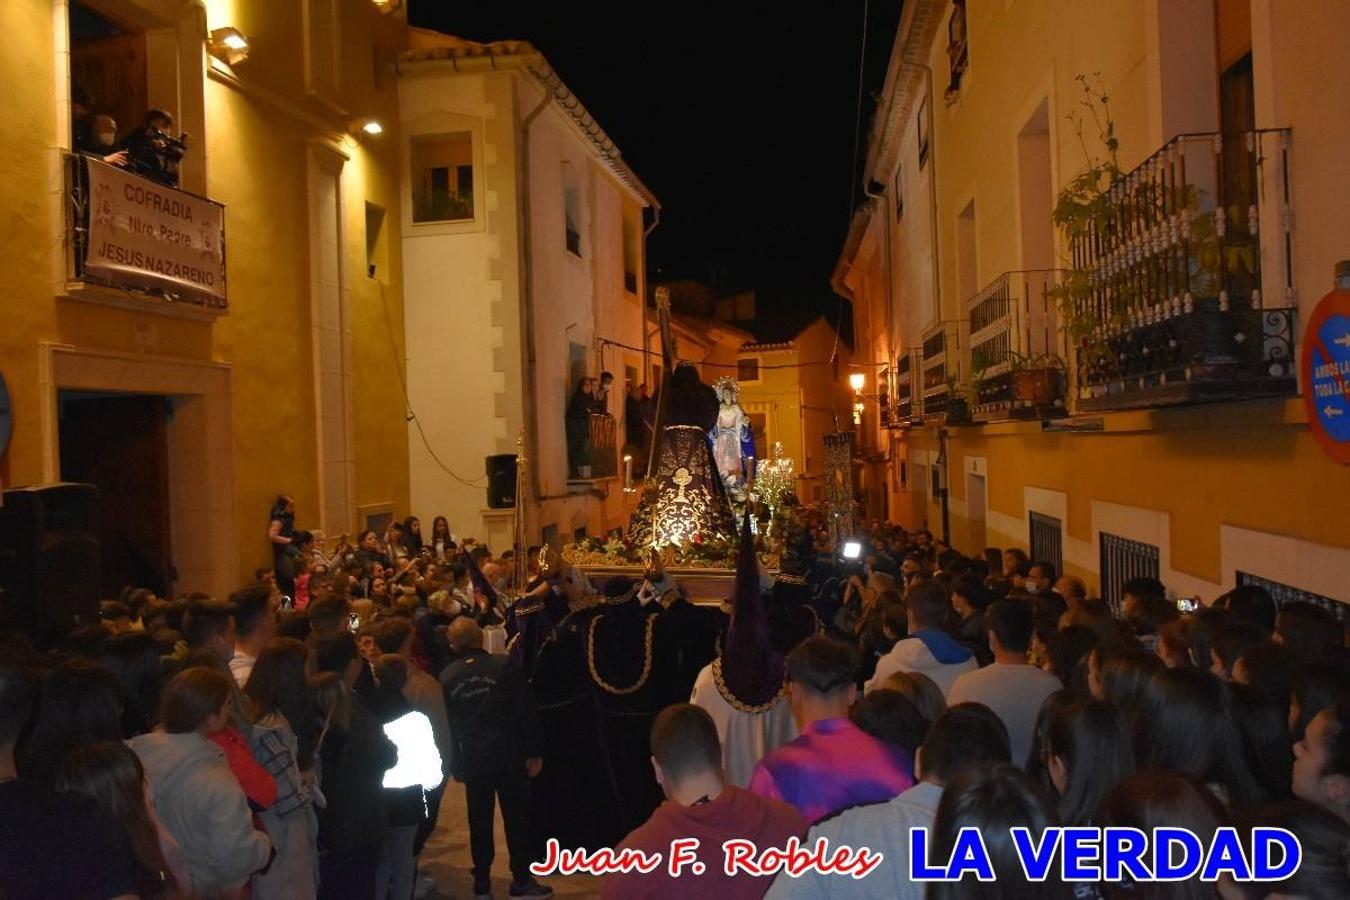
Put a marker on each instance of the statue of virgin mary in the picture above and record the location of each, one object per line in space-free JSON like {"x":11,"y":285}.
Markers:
{"x":732,"y":436}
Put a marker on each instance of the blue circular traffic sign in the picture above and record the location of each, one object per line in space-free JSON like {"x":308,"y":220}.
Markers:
{"x":1326,"y":374}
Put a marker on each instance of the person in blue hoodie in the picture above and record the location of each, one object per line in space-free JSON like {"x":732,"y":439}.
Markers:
{"x":928,"y":650}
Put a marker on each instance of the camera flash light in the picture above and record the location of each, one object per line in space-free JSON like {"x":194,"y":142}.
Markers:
{"x":852,"y":549}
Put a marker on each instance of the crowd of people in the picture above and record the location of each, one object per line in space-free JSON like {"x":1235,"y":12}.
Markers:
{"x":202,"y":747}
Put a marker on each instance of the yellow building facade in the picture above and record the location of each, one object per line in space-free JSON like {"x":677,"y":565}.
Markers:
{"x":795,"y":392}
{"x":294,"y":385}
{"x":1145,"y":469}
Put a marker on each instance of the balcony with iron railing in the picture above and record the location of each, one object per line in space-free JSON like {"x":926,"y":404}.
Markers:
{"x":592,"y":447}
{"x":902,"y":404}
{"x":132,"y":240}
{"x":1182,"y":285}
{"x":1014,"y":328}
{"x":939,"y":366}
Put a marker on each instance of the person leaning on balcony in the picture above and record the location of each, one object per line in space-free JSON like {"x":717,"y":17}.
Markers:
{"x":579,"y":427}
{"x":154,"y":154}
{"x":600,"y":405}
{"x":100,"y":141}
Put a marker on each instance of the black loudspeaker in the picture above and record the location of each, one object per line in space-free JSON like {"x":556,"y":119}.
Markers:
{"x":49,"y":557}
{"x":501,"y":475}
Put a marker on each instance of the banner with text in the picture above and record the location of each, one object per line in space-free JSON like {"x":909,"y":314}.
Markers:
{"x":153,"y":236}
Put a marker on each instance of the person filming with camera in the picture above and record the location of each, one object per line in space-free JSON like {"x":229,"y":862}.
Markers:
{"x":154,"y":152}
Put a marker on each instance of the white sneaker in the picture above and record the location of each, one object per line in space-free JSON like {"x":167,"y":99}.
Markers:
{"x":424,"y":887}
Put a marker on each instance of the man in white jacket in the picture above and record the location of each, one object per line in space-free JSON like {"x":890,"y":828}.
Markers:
{"x":928,"y":650}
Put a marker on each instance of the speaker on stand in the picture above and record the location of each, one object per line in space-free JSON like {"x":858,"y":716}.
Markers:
{"x":49,"y":557}
{"x":501,"y":475}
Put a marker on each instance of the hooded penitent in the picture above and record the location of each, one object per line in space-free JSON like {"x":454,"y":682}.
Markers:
{"x":750,"y":672}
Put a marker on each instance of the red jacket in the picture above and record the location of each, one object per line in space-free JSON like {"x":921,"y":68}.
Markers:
{"x":258,"y":785}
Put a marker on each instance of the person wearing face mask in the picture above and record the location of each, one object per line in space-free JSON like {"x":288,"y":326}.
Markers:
{"x":103,"y":142}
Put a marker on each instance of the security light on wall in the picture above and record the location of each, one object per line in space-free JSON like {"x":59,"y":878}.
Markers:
{"x":368,"y":126}
{"x":228,"y":45}
{"x":857,"y":380}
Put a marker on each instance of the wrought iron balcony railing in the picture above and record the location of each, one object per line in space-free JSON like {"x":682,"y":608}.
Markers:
{"x":592,"y":449}
{"x":939,"y":365}
{"x":902,"y":406}
{"x":1014,"y":324}
{"x":1182,"y":289}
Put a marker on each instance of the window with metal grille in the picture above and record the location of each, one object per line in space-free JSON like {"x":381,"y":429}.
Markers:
{"x":1123,"y":559}
{"x":1047,"y":540}
{"x":1284,"y":593}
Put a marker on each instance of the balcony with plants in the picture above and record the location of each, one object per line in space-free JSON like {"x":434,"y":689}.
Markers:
{"x":945,"y":397}
{"x":1016,"y":369}
{"x":1181,"y":287}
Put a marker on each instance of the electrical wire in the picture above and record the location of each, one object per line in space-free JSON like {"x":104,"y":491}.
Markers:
{"x":853,"y":175}
{"x":411,"y":414}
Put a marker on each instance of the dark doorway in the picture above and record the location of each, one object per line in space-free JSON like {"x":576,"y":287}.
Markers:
{"x":120,"y":443}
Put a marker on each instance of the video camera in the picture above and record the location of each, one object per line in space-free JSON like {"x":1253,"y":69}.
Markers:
{"x":173,"y":147}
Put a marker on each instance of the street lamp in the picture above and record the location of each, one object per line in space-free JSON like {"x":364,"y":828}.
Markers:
{"x":856,"y":380}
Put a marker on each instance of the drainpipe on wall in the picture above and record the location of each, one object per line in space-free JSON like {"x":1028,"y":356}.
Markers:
{"x":944,"y":488}
{"x":529,"y":407}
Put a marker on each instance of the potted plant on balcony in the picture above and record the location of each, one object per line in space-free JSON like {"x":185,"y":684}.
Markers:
{"x":962,"y":398}
{"x":1037,"y":378}
{"x":1084,"y":207}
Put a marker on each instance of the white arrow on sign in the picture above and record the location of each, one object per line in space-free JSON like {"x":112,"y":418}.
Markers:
{"x":1343,"y":340}
{"x":1331,"y":412}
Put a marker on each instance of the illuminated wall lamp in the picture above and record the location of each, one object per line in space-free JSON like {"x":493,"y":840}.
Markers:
{"x":228,"y":45}
{"x":371,"y":127}
{"x":856,"y":381}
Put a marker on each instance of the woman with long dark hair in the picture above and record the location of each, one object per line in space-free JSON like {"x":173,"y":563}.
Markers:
{"x":1122,"y":677}
{"x":442,"y":542}
{"x":79,"y":703}
{"x":1267,"y":747}
{"x":284,"y":735}
{"x":1087,"y":752}
{"x":412,"y":535}
{"x":1186,"y":726}
{"x":134,"y":661}
{"x":1153,"y":799}
{"x":994,"y":799}
{"x":1037,"y":762}
{"x":1068,"y":650}
{"x":111,"y":775}
{"x":355,"y":755}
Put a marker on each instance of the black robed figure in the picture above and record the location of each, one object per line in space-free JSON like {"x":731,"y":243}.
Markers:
{"x":685,"y":501}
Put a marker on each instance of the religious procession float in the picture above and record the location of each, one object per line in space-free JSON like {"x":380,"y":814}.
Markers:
{"x":702,"y":481}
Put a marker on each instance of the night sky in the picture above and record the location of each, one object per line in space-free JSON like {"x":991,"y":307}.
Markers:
{"x":739,"y":115}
